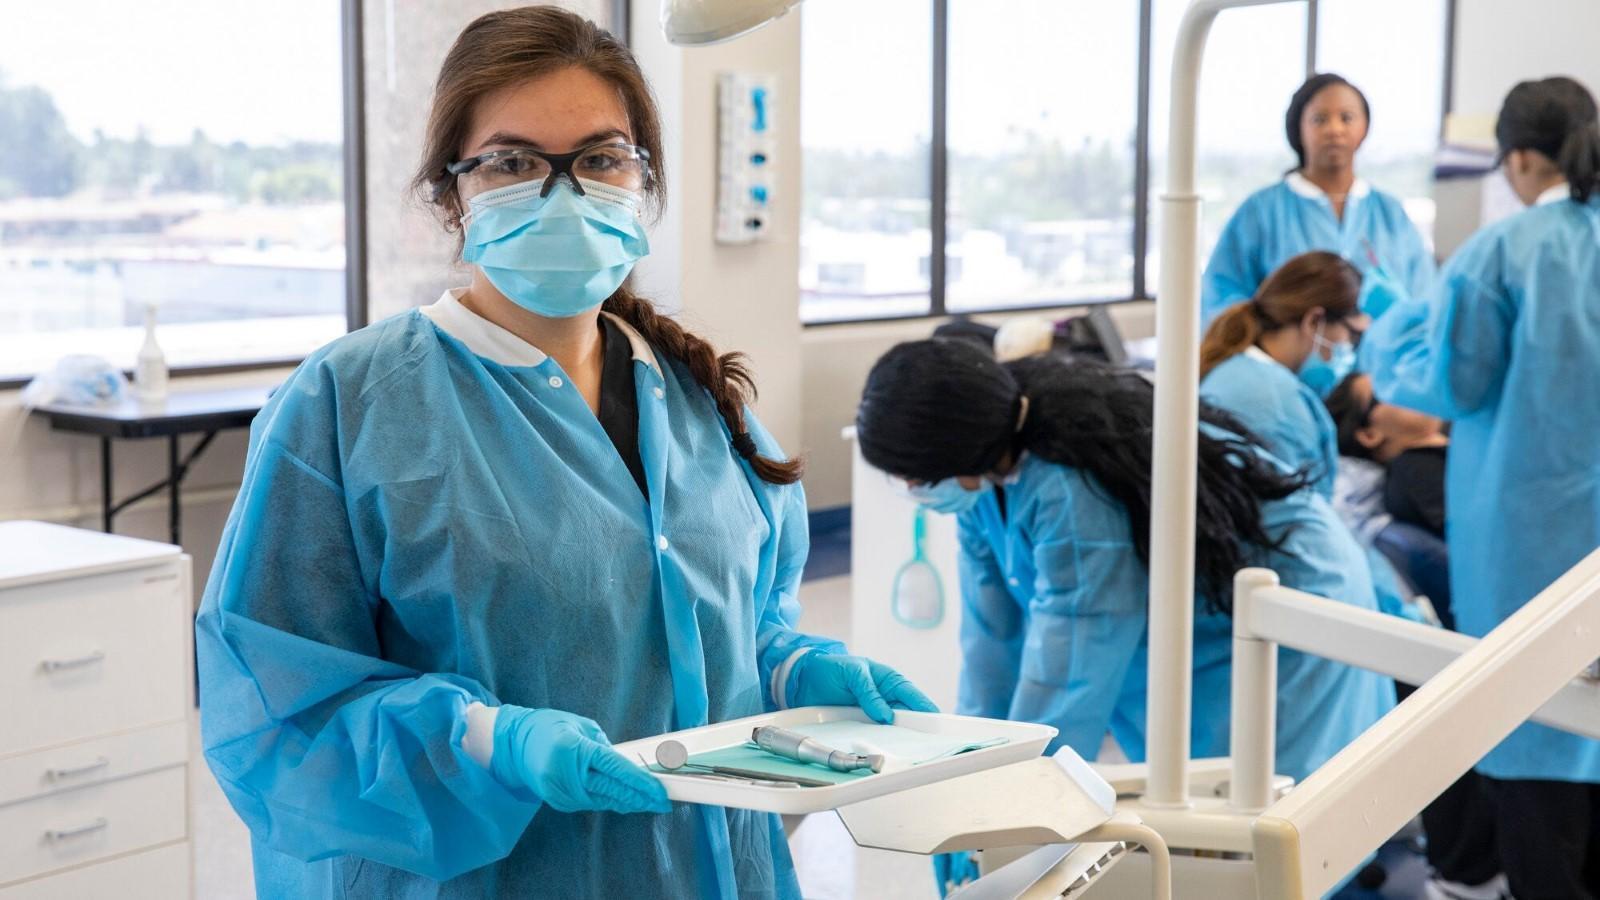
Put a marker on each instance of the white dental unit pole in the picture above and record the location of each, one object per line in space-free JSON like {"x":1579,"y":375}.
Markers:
{"x":1177,"y":412}
{"x":1253,"y":725}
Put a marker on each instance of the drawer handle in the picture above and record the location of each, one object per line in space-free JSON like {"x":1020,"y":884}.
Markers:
{"x":57,"y":665}
{"x":61,"y":834}
{"x":68,"y":772}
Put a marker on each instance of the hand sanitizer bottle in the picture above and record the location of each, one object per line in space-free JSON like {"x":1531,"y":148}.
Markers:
{"x":150,"y":374}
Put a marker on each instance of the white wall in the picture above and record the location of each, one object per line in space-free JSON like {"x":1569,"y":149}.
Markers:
{"x":741,"y":297}
{"x":1501,"y":42}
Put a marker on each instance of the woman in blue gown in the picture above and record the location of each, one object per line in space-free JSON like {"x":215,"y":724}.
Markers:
{"x":1507,"y":347}
{"x":1047,"y":465}
{"x":1319,"y":205}
{"x":1269,"y":361}
{"x":477,"y":542}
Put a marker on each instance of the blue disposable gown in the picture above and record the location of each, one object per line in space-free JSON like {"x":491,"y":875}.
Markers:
{"x":1293,"y":217}
{"x":1295,"y":427}
{"x":420,"y":527}
{"x":1282,"y":411}
{"x":1054,"y":628}
{"x":1508,"y":348}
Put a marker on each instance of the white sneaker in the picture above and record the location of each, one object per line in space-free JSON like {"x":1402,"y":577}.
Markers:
{"x":1495,"y":888}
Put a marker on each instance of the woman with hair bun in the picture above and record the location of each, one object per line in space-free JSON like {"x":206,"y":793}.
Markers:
{"x":1507,"y":348}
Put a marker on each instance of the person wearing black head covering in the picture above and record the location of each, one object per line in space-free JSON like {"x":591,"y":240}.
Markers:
{"x":1046,"y":462}
{"x":1508,"y":349}
{"x":1321,"y":204}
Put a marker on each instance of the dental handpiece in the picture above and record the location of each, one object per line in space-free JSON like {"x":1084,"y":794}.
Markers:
{"x":793,"y":745}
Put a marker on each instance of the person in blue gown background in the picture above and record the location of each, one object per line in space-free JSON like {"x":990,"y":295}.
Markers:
{"x":1270,"y":360}
{"x":1507,"y":348}
{"x":479,"y":541}
{"x":1046,"y":463}
{"x":1319,"y":205}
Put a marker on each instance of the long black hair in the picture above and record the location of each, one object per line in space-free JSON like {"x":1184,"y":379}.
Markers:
{"x":1557,"y":117}
{"x":1302,"y":98}
{"x":936,"y":409}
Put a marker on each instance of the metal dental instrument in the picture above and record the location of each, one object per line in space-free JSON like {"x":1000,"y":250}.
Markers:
{"x":793,"y":745}
{"x":688,"y":772}
{"x":671,"y":755}
{"x":674,"y":757}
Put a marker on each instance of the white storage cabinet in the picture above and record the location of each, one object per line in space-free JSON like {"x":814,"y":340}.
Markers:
{"x":95,"y":689}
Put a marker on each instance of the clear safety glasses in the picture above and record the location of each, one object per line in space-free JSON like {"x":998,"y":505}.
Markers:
{"x":615,"y":163}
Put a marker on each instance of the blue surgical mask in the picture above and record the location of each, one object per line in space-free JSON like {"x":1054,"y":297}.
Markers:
{"x":947,"y":496}
{"x":1323,"y":375}
{"x":559,"y":255}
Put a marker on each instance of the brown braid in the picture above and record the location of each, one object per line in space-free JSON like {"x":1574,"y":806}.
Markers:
{"x":726,"y":377}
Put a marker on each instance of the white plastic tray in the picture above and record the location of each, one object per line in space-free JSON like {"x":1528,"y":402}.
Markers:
{"x":1024,"y":740}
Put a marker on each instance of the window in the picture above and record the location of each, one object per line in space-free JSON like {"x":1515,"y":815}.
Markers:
{"x":1041,"y":170}
{"x":1031,"y":108}
{"x":1254,"y":60}
{"x":864,"y":234}
{"x":1398,"y":67}
{"x":180,"y":160}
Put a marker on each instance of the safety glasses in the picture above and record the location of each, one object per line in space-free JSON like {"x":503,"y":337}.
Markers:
{"x":615,"y":163}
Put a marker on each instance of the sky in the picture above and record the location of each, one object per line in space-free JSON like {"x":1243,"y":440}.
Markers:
{"x":263,"y":73}
{"x":1068,"y":68}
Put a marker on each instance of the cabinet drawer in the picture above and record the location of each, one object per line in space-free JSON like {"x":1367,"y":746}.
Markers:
{"x":160,"y":874}
{"x":91,"y":823}
{"x":93,"y":656}
{"x":84,"y":763}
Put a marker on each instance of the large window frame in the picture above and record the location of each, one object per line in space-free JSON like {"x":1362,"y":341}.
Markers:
{"x":355,"y":202}
{"x":1140,"y":239}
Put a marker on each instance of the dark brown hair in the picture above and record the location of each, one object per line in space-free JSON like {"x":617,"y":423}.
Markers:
{"x":513,"y":46}
{"x":1557,"y":117}
{"x":1306,"y":282}
{"x":1302,"y":98}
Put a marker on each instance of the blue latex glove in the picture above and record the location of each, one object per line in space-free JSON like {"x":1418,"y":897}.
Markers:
{"x":834,"y":679}
{"x":568,"y":762}
{"x":952,"y":870}
{"x":1379,"y":292}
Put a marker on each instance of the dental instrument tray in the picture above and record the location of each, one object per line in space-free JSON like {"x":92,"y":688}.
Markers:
{"x":720,"y":771}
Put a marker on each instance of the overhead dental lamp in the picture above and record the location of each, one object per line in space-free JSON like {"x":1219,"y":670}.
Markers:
{"x":694,"y":23}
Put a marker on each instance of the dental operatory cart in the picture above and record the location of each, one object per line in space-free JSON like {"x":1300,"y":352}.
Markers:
{"x":95,"y":690}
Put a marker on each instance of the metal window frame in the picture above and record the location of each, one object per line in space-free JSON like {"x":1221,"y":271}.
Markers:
{"x":355,"y":204}
{"x":1141,"y":150}
{"x":939,"y":160}
{"x":939,"y":175}
{"x":1447,"y":103}
{"x":621,"y":24}
{"x":1313,"y":19}
{"x":939,"y":184}
{"x":355,"y":167}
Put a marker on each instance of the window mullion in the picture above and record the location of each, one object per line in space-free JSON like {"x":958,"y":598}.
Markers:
{"x":938,"y":159}
{"x":1141,"y":151}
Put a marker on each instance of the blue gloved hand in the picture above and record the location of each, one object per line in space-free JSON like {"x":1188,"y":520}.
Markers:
{"x":952,"y":870}
{"x":834,"y":679}
{"x":1379,"y":292}
{"x":568,"y":762}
